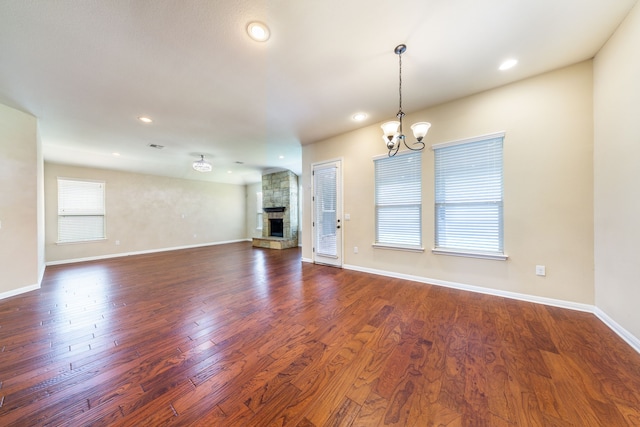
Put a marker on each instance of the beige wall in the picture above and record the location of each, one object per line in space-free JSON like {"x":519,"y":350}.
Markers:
{"x":148,"y":213}
{"x":548,"y":193}
{"x":617,"y":175}
{"x":19,"y":168}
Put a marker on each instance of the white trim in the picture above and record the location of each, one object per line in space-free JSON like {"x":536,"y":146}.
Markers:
{"x":500,"y":134}
{"x":18,"y":291}
{"x":77,"y":242}
{"x":309,"y":260}
{"x":43,"y":269}
{"x":400,"y":153}
{"x":66,"y":178}
{"x":150,"y":251}
{"x":615,"y":327}
{"x":478,"y":289}
{"x":481,"y":255}
{"x":397,"y":247}
{"x":627,"y":336}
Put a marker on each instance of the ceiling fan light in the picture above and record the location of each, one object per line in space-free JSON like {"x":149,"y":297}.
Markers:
{"x":202,"y":165}
{"x":420,"y":129}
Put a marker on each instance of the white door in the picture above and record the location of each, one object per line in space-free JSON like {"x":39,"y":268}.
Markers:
{"x":327,"y":213}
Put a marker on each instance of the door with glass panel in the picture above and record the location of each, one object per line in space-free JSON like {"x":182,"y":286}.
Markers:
{"x":327,"y":213}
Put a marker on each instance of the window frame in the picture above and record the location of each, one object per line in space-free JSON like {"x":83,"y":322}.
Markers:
{"x":468,"y":251}
{"x":417,"y":203}
{"x":98,"y":210}
{"x":259,"y":211}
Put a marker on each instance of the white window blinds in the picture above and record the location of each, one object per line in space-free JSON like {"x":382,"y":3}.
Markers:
{"x":398,"y":200}
{"x":468,"y":196}
{"x":80,"y":210}
{"x":326,"y":198}
{"x":259,"y":210}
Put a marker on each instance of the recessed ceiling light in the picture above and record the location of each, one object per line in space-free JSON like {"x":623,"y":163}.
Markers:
{"x":144,"y":119}
{"x":509,"y":63}
{"x":358,"y":117}
{"x":258,"y":31}
{"x":281,"y":157}
{"x":116,"y":154}
{"x":229,"y":171}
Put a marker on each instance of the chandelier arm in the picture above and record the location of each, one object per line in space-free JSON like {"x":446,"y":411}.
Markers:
{"x":394,"y":151}
{"x":414,"y":149}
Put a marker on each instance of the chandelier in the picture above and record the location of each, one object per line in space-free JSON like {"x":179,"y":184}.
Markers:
{"x":392,"y":130}
{"x":202,"y":165}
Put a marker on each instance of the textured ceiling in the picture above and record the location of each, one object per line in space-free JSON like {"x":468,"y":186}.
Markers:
{"x":88,"y":69}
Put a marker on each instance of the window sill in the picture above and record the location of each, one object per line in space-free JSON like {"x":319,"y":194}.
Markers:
{"x":397,"y":247}
{"x":75,"y":242}
{"x":481,"y":255}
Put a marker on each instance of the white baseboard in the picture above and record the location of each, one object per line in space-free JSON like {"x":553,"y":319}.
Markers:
{"x":19,"y":291}
{"x":633,"y":341}
{"x":614,"y":326}
{"x":151,"y":251}
{"x":306,"y":259}
{"x":43,"y":268}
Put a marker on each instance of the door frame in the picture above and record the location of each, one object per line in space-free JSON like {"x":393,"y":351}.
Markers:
{"x":339,"y":212}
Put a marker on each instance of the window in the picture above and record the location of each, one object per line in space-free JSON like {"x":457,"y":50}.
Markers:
{"x":398,"y":201}
{"x":325,"y":180}
{"x":81,"y":214}
{"x":259,"y":210}
{"x":468,"y":197}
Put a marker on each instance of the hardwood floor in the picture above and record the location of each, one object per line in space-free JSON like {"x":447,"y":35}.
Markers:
{"x":238,"y":336}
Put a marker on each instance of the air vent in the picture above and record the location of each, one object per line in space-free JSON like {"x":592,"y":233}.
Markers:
{"x":156,"y":146}
{"x":275,"y":209}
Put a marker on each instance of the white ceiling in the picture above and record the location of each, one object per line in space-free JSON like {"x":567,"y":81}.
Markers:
{"x":88,"y":69}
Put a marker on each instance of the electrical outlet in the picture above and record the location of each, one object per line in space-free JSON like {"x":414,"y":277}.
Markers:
{"x":355,"y":249}
{"x":541,"y":270}
{"x":117,"y":242}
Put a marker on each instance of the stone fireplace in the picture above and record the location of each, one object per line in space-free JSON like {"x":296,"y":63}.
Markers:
{"x":280,"y":204}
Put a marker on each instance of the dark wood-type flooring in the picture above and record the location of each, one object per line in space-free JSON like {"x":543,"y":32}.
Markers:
{"x":232,"y":335}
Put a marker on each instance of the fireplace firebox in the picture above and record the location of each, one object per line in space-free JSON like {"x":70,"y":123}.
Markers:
{"x":276,"y":227}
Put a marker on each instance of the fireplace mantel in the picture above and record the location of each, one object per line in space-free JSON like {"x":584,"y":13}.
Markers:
{"x":275,"y":209}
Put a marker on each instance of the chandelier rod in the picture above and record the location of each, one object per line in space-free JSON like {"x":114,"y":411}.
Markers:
{"x":399,"y":50}
{"x":400,"y":81}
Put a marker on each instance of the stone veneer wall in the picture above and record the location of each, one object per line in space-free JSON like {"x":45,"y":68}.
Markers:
{"x":280,"y":189}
